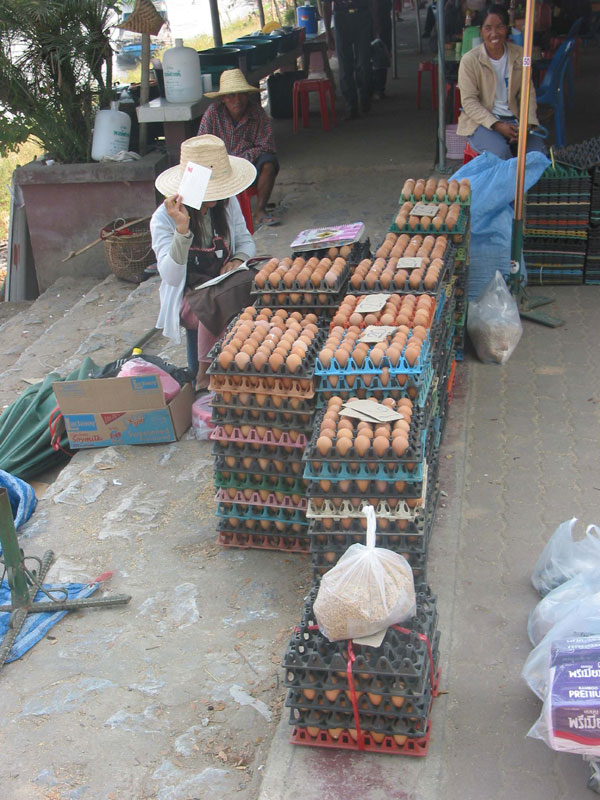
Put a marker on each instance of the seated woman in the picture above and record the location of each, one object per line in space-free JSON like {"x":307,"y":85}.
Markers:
{"x":489,"y":79}
{"x":192,"y":247}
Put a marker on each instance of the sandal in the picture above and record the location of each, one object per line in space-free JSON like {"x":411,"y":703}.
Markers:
{"x":268,"y":219}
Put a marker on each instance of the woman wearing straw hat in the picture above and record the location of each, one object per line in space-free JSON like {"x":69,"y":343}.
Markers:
{"x":246,"y":130}
{"x":194,"y":246}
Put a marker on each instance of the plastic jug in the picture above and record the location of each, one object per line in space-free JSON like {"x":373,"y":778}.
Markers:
{"x":307,"y":18}
{"x":181,"y":71}
{"x":111,"y":132}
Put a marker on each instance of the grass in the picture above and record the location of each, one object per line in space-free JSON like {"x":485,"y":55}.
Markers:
{"x":24,"y":155}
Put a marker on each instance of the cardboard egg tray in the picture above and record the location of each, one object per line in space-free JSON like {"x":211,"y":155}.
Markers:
{"x":369,"y":368}
{"x":243,"y":511}
{"x":279,"y":386}
{"x":321,"y":713}
{"x":237,"y":415}
{"x":288,"y":438}
{"x":260,"y":483}
{"x":445,"y":274}
{"x":457,"y":233}
{"x":257,"y":464}
{"x":292,"y":409}
{"x":372,"y":742}
{"x":258,"y":499}
{"x":416,"y":386}
{"x":263,"y":541}
{"x":323,"y":561}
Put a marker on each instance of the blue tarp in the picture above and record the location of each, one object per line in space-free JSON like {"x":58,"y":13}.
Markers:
{"x":36,"y":626}
{"x":21,"y":497}
{"x":493,"y":182}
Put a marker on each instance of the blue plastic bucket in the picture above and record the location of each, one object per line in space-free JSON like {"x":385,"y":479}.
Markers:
{"x":307,"y":18}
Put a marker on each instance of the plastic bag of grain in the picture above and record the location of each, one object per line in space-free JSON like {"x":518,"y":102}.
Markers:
{"x":493,"y":322}
{"x":369,"y":589}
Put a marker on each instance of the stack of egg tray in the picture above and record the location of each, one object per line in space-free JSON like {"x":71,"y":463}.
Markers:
{"x":360,"y":250}
{"x":584,"y":155}
{"x":458,"y":235}
{"x":592,"y":259}
{"x":554,"y":260}
{"x":263,"y":421}
{"x":392,"y":686}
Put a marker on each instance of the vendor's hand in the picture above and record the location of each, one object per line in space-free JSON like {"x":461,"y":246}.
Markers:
{"x":229,"y":265}
{"x":178,"y":213}
{"x":330,"y":40}
{"x":509,"y":130}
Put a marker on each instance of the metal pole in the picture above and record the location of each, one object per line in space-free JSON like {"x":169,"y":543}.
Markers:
{"x":144,"y":90}
{"x":419,"y":40}
{"x":261,"y":12}
{"x":11,"y":554}
{"x":216,"y":23}
{"x":517,"y":237}
{"x":394,"y":44}
{"x":441,"y":32}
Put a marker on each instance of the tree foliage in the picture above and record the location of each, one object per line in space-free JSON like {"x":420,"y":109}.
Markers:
{"x":55,"y":72}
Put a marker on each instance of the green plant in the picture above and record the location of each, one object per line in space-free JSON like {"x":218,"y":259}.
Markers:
{"x":55,"y":73}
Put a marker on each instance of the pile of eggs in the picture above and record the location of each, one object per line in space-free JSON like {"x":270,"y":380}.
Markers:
{"x":266,"y":338}
{"x":341,"y":436}
{"x":442,"y":189}
{"x":342,"y":345}
{"x":313,"y":273}
{"x":446,"y":215}
{"x":403,"y":245}
{"x":399,"y":310}
{"x":387,"y":272}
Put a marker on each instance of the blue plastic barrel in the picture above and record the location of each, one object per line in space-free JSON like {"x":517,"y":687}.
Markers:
{"x":307,"y":18}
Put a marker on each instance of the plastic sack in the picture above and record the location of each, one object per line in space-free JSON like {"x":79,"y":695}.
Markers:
{"x":582,"y":620}
{"x":562,"y":558}
{"x":493,"y":183}
{"x":139,"y":366}
{"x":369,"y":589}
{"x":21,"y":497}
{"x":558,"y":603}
{"x":493,"y":322}
{"x":570,"y":718}
{"x":202,"y":427}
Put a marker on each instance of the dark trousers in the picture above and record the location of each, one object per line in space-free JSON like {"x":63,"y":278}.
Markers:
{"x":353,"y":47}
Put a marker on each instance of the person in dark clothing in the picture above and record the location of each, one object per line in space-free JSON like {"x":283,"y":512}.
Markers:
{"x":354,"y":24}
{"x":381,"y":59}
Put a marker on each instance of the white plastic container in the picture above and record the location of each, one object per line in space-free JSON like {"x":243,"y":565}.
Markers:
{"x":111,"y":132}
{"x":181,"y":70}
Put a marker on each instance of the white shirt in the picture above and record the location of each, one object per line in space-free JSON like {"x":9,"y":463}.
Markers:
{"x":500,"y":67}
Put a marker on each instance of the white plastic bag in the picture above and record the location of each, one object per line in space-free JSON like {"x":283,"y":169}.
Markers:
{"x":562,"y":558}
{"x":369,"y":589}
{"x":493,"y":322}
{"x":582,"y":620}
{"x":559,"y":602}
{"x":570,"y":718}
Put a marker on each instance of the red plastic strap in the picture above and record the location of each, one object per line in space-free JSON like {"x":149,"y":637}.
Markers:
{"x":423,"y":638}
{"x":359,"y":734}
{"x":106,"y":576}
{"x":52,"y":423}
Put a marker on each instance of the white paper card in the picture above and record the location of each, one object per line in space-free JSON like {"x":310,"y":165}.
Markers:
{"x":371,"y":303}
{"x":370,"y":411}
{"x":374,"y":640}
{"x":425,"y":210}
{"x":407,"y":262}
{"x":377,"y":333}
{"x":193,"y":184}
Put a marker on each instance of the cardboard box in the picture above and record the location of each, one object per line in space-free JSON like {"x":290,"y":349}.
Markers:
{"x":131,"y":410}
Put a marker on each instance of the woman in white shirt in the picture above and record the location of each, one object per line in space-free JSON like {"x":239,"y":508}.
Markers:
{"x":194,"y":246}
{"x":489,"y":80}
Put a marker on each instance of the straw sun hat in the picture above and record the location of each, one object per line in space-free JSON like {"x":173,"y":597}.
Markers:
{"x":230,"y":174}
{"x":232,"y":82}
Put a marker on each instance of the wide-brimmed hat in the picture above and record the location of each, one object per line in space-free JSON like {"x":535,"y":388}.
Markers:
{"x":230,"y":174}
{"x":232,"y":82}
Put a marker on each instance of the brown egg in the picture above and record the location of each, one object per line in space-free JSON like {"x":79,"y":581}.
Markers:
{"x":380,"y":445}
{"x":361,"y":444}
{"x":242,"y":360}
{"x":293,"y":362}
{"x":324,"y":445}
{"x":343,"y":445}
{"x":225,"y":358}
{"x":275,"y":361}
{"x":399,"y":445}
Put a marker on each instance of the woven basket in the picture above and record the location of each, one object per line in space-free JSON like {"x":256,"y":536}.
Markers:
{"x":128,"y":251}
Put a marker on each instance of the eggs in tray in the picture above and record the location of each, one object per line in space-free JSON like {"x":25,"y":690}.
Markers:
{"x":264,"y":340}
{"x":445,"y":215}
{"x":441,"y":189}
{"x":300,"y":273}
{"x":346,"y":349}
{"x":386,"y":272}
{"x":408,"y":310}
{"x":341,"y":436}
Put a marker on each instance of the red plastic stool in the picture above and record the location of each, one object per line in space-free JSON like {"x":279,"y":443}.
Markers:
{"x":452,"y":85}
{"x":301,"y":92}
{"x":246,"y":207}
{"x":469,"y":154}
{"x":427,"y":66}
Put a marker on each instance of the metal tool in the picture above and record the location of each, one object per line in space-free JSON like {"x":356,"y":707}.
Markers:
{"x":25,"y":583}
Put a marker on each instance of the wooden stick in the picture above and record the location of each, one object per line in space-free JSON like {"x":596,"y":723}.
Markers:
{"x":75,"y":253}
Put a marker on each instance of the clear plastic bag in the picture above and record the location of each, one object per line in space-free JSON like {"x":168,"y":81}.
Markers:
{"x":369,"y":589}
{"x":562,"y":558}
{"x":570,"y":718}
{"x":493,"y":322}
{"x":582,"y":620}
{"x":558,"y":603}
